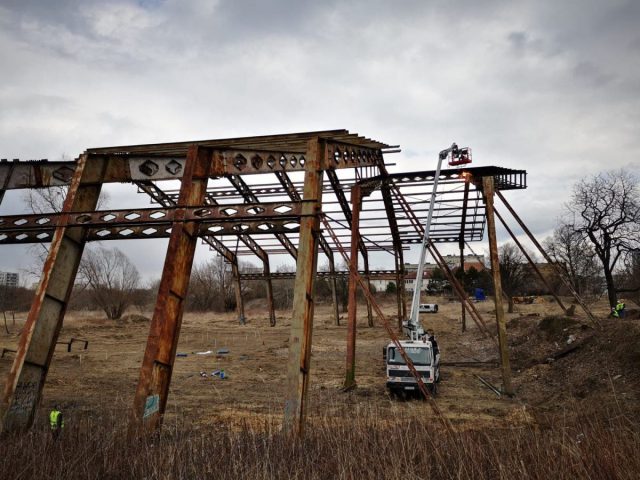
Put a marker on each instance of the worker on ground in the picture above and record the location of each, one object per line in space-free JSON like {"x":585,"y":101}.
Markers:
{"x":618,"y":311}
{"x":56,"y":422}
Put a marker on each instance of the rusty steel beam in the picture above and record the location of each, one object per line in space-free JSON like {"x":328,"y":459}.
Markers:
{"x":374,"y":274}
{"x":398,"y":254}
{"x":489,"y":190}
{"x":350,"y":374}
{"x":558,"y":270}
{"x":157,"y":366}
{"x":530,"y":260}
{"x":303,"y":300}
{"x":39,"y":336}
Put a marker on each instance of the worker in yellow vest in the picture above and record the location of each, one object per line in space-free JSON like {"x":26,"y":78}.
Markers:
{"x":56,"y":421}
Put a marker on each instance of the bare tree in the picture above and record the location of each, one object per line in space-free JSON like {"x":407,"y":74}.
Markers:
{"x":607,"y":212}
{"x":573,"y":252}
{"x":513,"y":271}
{"x":211,"y":286}
{"x":111,"y":278}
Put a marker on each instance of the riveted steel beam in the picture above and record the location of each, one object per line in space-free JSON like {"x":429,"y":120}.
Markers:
{"x":40,"y":333}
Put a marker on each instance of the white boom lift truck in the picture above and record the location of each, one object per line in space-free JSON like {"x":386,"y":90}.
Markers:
{"x":421,"y":347}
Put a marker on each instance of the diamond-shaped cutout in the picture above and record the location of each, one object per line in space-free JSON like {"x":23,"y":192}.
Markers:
{"x":271,"y":162}
{"x":63,"y":174}
{"x":149,"y":231}
{"x":168,"y":230}
{"x":22,"y":236}
{"x":241,"y":227}
{"x":302,"y":161}
{"x":157,"y":215}
{"x":149,"y":168}
{"x":283,"y":209}
{"x":291,"y":225}
{"x":239,"y":162}
{"x":132,"y":216}
{"x":108,"y":217}
{"x":215,"y":228}
{"x":282,"y":161}
{"x":336,"y":156}
{"x":42,"y":236}
{"x":265,"y":226}
{"x":83,"y":218}
{"x":2,"y":237}
{"x":20,"y":221}
{"x":255,"y":210}
{"x":256,"y":162}
{"x":103,"y":233}
{"x":202,"y":212}
{"x":173,"y":167}
{"x":229,"y":211}
{"x":293,"y":161}
{"x":126,"y":232}
{"x":43,"y":220}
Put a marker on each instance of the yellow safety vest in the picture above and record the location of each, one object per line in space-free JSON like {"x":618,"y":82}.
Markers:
{"x":53,"y":419}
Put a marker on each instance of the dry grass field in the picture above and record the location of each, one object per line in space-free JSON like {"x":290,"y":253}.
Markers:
{"x":599,"y":376}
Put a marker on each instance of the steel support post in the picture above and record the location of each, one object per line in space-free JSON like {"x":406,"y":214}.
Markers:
{"x":157,"y":366}
{"x":356,"y":202}
{"x":368,"y":281}
{"x":463,"y":313}
{"x":235,"y":272}
{"x":269,"y":285}
{"x":488,"y":190}
{"x":40,"y":333}
{"x":334,"y":289}
{"x":303,"y":297}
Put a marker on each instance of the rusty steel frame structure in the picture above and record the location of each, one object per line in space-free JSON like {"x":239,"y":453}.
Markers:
{"x":332,"y":176}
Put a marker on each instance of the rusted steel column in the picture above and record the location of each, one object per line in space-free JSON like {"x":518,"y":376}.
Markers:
{"x":368,"y":280}
{"x":235,"y":271}
{"x":488,"y":190}
{"x":356,"y":199}
{"x":40,"y":333}
{"x":157,"y":366}
{"x":267,"y":273}
{"x":334,"y":290}
{"x":303,"y":301}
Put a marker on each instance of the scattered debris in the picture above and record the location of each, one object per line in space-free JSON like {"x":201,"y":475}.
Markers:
{"x":70,"y":342}
{"x":488,"y":385}
{"x":181,"y":355}
{"x":571,"y":339}
{"x":208,"y":352}
{"x":222,"y":351}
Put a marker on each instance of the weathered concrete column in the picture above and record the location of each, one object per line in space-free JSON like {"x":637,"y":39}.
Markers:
{"x":303,"y":297}
{"x":489,"y":190}
{"x":40,"y":333}
{"x":356,"y":201}
{"x":157,"y":366}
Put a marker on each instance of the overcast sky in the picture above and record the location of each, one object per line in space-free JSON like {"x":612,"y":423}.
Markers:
{"x":550,"y":87}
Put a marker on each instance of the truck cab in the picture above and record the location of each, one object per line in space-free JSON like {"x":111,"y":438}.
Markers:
{"x":426,"y":359}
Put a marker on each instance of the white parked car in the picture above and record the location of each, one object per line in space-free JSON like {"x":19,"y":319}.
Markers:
{"x":428,"y":308}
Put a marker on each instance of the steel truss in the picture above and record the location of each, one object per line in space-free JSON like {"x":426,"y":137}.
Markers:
{"x":258,"y":196}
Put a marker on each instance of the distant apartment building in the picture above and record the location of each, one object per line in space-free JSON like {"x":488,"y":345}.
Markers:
{"x":9,"y":279}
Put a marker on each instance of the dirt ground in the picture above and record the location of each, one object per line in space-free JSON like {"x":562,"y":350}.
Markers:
{"x":105,"y":375}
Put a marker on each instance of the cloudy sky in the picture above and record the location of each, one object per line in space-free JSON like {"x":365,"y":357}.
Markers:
{"x":550,"y":87}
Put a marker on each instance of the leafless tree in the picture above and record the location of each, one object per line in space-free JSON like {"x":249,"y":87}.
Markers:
{"x":111,"y":278}
{"x":211,"y":286}
{"x":573,"y":252}
{"x":513,"y":271}
{"x":606,"y":208}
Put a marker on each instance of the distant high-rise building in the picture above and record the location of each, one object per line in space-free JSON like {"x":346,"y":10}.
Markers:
{"x":9,"y":279}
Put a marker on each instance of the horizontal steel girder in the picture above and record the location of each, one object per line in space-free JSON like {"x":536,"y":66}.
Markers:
{"x":372,"y":274}
{"x":281,"y":217}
